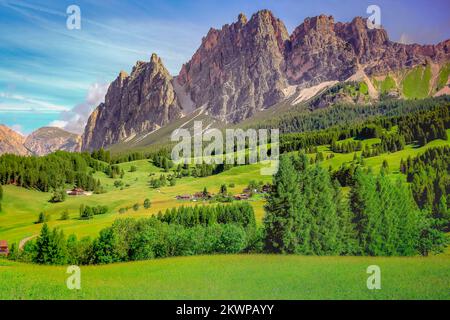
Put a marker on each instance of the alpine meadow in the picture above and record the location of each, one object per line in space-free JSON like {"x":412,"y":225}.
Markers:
{"x":315,"y":159}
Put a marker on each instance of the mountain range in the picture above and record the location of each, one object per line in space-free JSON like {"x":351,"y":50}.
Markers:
{"x":43,"y":141}
{"x":252,"y":65}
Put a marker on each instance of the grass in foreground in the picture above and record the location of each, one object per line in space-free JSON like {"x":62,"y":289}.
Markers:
{"x":235,"y":277}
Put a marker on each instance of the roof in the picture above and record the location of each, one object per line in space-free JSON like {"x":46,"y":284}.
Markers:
{"x":3,"y":243}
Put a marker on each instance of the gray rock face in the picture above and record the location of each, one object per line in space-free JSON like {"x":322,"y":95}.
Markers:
{"x":246,"y":67}
{"x":50,"y":139}
{"x":322,"y":50}
{"x":238,"y":70}
{"x":134,"y":104}
{"x":11,"y":141}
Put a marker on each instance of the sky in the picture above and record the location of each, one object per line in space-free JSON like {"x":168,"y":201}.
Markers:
{"x":50,"y":75}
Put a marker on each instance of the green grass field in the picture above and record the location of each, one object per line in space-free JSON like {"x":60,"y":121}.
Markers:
{"x":206,"y":277}
{"x":235,"y":277}
{"x":21,"y":206}
{"x":416,"y":84}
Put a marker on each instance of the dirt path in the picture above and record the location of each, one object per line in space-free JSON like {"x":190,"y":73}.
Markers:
{"x":25,"y":240}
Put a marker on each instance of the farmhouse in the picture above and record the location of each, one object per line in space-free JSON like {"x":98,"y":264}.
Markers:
{"x":76,"y":192}
{"x":201,"y":195}
{"x":183,"y":197}
{"x":4,"y":247}
{"x":242,"y":196}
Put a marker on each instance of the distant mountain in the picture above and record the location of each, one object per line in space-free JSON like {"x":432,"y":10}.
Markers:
{"x":50,"y":139}
{"x":251,"y":65}
{"x":140,"y":102}
{"x":11,"y":141}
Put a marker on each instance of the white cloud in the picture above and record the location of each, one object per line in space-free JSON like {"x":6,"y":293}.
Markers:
{"x":18,"y":128}
{"x":58,"y":123}
{"x":32,"y":103}
{"x":75,"y":120}
{"x":406,"y":39}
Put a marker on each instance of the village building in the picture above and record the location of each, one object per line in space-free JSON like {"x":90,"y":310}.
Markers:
{"x":184,"y":197}
{"x":243,"y":196}
{"x":201,"y":195}
{"x":76,"y":192}
{"x":4,"y":247}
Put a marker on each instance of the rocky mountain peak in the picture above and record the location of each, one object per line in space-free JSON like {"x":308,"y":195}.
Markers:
{"x":238,"y":69}
{"x":248,"y":66}
{"x":141,"y":102}
{"x":242,"y":19}
{"x":11,"y":141}
{"x":46,"y":140}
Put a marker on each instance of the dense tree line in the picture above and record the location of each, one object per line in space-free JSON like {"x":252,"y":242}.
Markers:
{"x":375,"y":128}
{"x":50,"y":172}
{"x":343,"y":115}
{"x":237,"y":213}
{"x":425,"y":126}
{"x":307,"y":214}
{"x":228,"y":230}
{"x":430,"y":182}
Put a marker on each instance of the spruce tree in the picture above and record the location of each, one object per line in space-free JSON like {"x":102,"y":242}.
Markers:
{"x":283,"y":211}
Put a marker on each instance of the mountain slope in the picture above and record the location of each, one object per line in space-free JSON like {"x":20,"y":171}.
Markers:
{"x":11,"y":141}
{"x":137,"y":103}
{"x":250,"y":65}
{"x":50,"y":139}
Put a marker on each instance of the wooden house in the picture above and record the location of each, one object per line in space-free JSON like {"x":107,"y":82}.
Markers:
{"x":4,"y":247}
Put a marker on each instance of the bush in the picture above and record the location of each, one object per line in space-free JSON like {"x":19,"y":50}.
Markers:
{"x":43,"y":217}
{"x":147,"y":204}
{"x":58,"y":196}
{"x":65,"y":215}
{"x":136,"y":206}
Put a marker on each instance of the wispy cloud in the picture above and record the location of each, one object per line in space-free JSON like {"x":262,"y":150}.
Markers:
{"x":74,"y":120}
{"x":27,"y":103}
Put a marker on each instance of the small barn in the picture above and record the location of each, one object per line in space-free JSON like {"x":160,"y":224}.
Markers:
{"x":76,"y":192}
{"x":183,"y":197}
{"x":4,"y":247}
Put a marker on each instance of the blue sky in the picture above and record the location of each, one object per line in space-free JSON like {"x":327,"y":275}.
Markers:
{"x":52,"y":75}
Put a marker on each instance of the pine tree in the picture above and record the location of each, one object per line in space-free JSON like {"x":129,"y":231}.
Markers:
{"x":147,"y":204}
{"x":364,"y":205}
{"x":346,"y":236}
{"x":283,"y":211}
{"x":320,"y":213}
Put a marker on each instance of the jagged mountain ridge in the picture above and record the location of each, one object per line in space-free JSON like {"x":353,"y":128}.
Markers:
{"x":140,"y":102}
{"x":46,"y":140}
{"x":43,"y":141}
{"x":11,"y":141}
{"x":248,"y":66}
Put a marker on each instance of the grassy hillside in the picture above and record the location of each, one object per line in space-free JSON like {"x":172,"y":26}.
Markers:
{"x":241,"y":277}
{"x":416,"y":84}
{"x":444,"y":73}
{"x":21,"y":206}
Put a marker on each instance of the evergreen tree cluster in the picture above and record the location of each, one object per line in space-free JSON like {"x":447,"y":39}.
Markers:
{"x":307,"y":214}
{"x":425,"y":126}
{"x":51,"y":172}
{"x":240,"y":213}
{"x":430,"y":182}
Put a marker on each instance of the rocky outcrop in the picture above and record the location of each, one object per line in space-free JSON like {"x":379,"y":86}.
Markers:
{"x":50,"y":139}
{"x":322,"y":50}
{"x":140,"y":102}
{"x":316,"y":54}
{"x":239,"y":69}
{"x":248,"y":66}
{"x":11,"y":141}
